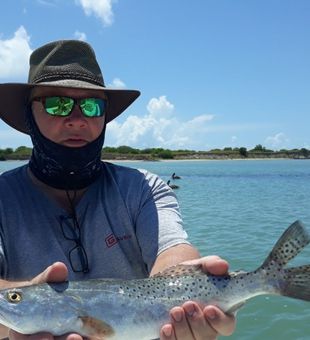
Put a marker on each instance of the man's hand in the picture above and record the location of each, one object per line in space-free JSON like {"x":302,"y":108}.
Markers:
{"x":57,"y":272}
{"x":190,"y":322}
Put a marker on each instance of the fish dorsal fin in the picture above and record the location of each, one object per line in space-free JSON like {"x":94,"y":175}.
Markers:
{"x":293,"y":240}
{"x":96,"y":329}
{"x":181,"y":270}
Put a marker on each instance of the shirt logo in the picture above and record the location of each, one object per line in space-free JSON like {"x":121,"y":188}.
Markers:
{"x":111,"y":240}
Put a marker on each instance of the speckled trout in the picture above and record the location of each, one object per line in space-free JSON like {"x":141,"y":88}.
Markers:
{"x":136,"y":309}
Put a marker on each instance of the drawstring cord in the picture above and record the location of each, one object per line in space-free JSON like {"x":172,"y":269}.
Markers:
{"x":73,"y":210}
{"x":71,"y":201}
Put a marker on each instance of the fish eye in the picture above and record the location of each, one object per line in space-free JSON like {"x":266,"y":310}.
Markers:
{"x":14,"y":297}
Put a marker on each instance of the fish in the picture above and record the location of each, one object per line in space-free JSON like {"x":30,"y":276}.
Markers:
{"x":137,"y":309}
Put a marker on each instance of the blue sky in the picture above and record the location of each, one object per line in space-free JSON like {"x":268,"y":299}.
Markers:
{"x":212,"y":74}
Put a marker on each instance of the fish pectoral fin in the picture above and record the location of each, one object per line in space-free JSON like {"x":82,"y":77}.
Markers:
{"x":96,"y":329}
{"x":181,"y":270}
{"x":234,"y":309}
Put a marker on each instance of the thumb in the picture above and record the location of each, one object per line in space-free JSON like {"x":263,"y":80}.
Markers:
{"x":57,"y":272}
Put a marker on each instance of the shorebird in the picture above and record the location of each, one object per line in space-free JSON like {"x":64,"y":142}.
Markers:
{"x":174,"y":176}
{"x":172,"y":186}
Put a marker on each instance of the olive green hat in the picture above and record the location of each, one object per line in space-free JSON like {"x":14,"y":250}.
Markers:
{"x":66,"y":64}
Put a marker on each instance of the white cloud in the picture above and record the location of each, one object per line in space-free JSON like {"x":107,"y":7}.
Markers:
{"x":14,"y":55}
{"x":198,"y":121}
{"x":101,"y":9}
{"x":279,"y":141}
{"x":159,"y":127}
{"x":160,"y":107}
{"x":131,"y":131}
{"x":80,"y":35}
{"x":117,"y":83}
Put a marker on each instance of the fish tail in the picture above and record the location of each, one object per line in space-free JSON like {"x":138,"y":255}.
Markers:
{"x":296,"y":283}
{"x":290,"y":244}
{"x":293,"y":282}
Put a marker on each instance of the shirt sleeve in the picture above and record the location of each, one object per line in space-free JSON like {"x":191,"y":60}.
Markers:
{"x":159,"y":224}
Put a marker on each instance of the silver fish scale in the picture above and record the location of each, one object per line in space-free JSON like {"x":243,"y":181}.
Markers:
{"x":180,"y":288}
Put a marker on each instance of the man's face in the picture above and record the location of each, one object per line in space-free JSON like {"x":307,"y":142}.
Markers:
{"x":74,"y":130}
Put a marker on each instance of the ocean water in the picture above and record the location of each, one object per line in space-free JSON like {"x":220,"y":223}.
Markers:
{"x":238,"y":209}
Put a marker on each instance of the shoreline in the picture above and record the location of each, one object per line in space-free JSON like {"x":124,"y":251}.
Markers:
{"x":200,"y":159}
{"x":131,"y":160}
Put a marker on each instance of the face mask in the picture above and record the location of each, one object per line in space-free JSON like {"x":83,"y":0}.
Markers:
{"x":64,"y":167}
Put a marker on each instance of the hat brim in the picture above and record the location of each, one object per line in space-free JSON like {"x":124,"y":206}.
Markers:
{"x":15,"y":96}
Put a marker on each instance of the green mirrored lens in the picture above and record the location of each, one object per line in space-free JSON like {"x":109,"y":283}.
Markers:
{"x":92,"y":107}
{"x":58,"y":106}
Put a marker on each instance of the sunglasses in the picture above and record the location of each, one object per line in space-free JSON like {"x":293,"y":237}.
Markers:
{"x":63,"y":106}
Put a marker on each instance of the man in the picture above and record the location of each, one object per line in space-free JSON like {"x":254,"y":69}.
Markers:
{"x":67,"y":214}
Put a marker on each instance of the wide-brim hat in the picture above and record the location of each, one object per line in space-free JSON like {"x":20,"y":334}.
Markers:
{"x":65,"y":64}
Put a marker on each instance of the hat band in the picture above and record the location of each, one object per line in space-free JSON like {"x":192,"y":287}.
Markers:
{"x":58,"y":76}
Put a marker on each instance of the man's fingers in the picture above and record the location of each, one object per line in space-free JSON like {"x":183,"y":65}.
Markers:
{"x":201,"y":260}
{"x":180,"y":324}
{"x":188,"y":323}
{"x":72,"y":336}
{"x":210,"y":264}
{"x":216,"y":267}
{"x":167,"y":333}
{"x":57,"y":272}
{"x":222,"y":323}
{"x":200,"y":328}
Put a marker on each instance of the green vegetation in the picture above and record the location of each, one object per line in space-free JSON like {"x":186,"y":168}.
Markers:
{"x":129,"y":153}
{"x":21,"y":153}
{"x":126,"y":152}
